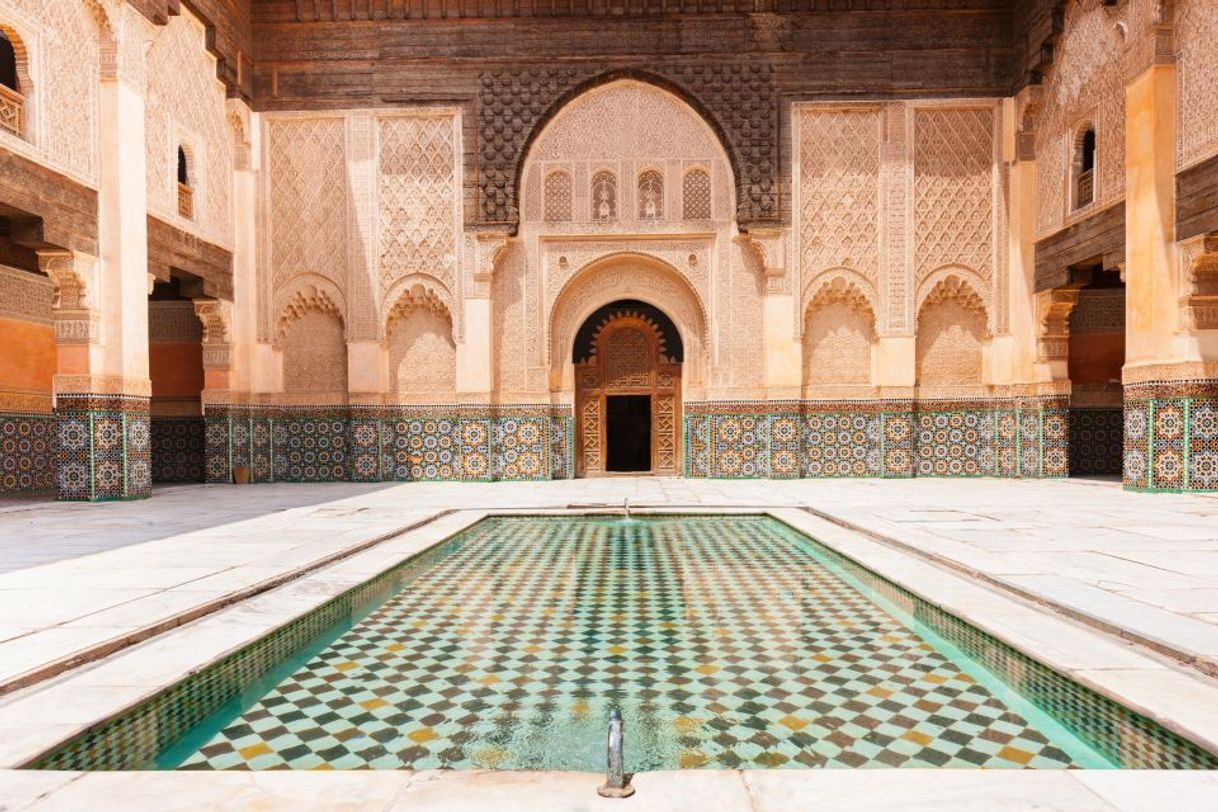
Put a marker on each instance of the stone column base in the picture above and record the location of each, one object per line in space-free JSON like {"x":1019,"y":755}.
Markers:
{"x":104,"y":447}
{"x":1171,"y":436}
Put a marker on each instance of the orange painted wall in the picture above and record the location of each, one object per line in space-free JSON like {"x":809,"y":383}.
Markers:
{"x":1096,"y":357}
{"x":176,"y":370}
{"x":27,"y":356}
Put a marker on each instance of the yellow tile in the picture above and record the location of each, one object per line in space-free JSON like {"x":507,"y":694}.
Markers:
{"x":395,"y":647}
{"x":822,"y":658}
{"x":617,"y":649}
{"x":345,"y":666}
{"x":686,"y":724}
{"x":422,"y":735}
{"x":532,"y":649}
{"x":580,"y":708}
{"x":1015,"y":754}
{"x":937,"y":679}
{"x":373,"y":704}
{"x":916,"y":737}
{"x":692,"y":758}
{"x":489,"y":679}
{"x":254,"y":750}
{"x":882,"y":693}
{"x":707,"y":668}
{"x":793,"y":722}
{"x":490,"y":757}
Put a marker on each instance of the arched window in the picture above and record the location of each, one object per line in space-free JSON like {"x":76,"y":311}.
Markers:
{"x":651,"y":196}
{"x":558,"y":197}
{"x":1084,"y":166}
{"x":604,"y":196}
{"x":12,"y":100}
{"x":186,"y":201}
{"x":8,"y":63}
{"x":696,"y":195}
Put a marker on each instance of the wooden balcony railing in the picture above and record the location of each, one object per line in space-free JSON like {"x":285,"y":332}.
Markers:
{"x":1086,"y":189}
{"x":186,"y":201}
{"x":12,"y":111}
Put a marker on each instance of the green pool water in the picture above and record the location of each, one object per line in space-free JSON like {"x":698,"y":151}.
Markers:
{"x":726,"y":641}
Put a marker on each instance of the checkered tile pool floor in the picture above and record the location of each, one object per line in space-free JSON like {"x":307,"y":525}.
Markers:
{"x":726,"y":641}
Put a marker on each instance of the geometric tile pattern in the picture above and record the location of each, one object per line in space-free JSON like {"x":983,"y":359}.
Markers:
{"x":373,"y":444}
{"x":735,"y":440}
{"x":177,"y":449}
{"x":1171,"y":437}
{"x":104,"y":447}
{"x":1096,"y":438}
{"x":727,"y":642}
{"x":27,"y":452}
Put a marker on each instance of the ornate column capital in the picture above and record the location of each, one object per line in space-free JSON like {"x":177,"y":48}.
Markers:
{"x":217,"y":318}
{"x":489,"y":248}
{"x":76,"y":321}
{"x":1053,"y":309}
{"x":769,"y":246}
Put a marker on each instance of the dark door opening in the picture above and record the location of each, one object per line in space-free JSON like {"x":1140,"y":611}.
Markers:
{"x":628,"y":432}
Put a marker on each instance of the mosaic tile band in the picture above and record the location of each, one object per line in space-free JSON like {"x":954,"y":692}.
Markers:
{"x":391,"y":444}
{"x":27,"y":453}
{"x":727,"y":641}
{"x":104,"y":447}
{"x":965,"y":440}
{"x":1171,"y":437}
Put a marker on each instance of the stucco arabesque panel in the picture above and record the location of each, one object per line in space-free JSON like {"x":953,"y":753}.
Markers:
{"x":1085,"y":84}
{"x":61,"y":40}
{"x":186,"y":108}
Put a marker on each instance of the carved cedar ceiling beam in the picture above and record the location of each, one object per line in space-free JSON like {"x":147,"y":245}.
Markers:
{"x":41,"y":209}
{"x":174,"y":252}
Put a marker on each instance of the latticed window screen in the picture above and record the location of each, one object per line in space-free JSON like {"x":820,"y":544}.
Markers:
{"x":696,"y":195}
{"x":651,"y":196}
{"x":604,"y":196}
{"x":558,"y":194}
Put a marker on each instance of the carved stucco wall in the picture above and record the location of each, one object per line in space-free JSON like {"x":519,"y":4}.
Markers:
{"x":1196,"y":28}
{"x":366,"y":202}
{"x":838,"y":338}
{"x":315,"y":357}
{"x":630,"y":129}
{"x":185,"y":107}
{"x":61,"y":39}
{"x":1085,"y":84}
{"x":514,"y":102}
{"x":892,"y":198}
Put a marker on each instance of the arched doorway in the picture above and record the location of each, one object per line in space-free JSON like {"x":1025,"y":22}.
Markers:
{"x":627,"y":358}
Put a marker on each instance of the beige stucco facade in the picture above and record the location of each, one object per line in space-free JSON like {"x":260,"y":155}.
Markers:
{"x":893,"y":324}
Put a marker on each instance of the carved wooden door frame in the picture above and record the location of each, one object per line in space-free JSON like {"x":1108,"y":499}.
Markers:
{"x":606,"y":374}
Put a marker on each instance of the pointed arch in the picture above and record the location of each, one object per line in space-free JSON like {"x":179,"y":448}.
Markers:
{"x":616,"y":75}
{"x":839,"y":334}
{"x":952,"y":331}
{"x":420,"y":343}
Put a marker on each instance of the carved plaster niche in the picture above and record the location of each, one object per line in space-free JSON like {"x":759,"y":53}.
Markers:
{"x":490,"y":248}
{"x":1027,"y":110}
{"x":238,"y":115}
{"x":1199,"y":280}
{"x":72,"y":274}
{"x":769,"y":246}
{"x":1053,"y":320}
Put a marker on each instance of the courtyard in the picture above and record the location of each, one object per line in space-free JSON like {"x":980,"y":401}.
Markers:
{"x":106,"y":605}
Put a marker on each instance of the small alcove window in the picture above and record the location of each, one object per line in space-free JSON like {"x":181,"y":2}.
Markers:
{"x":651,"y":196}
{"x":186,"y":202}
{"x":12,"y":98}
{"x":1084,"y":166}
{"x":604,"y":196}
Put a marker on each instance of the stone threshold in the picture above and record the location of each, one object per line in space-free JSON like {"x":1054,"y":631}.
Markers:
{"x":675,"y":791}
{"x":1159,"y":644}
{"x":93,"y":653}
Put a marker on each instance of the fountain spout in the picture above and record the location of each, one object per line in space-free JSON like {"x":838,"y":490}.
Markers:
{"x":617,"y":783}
